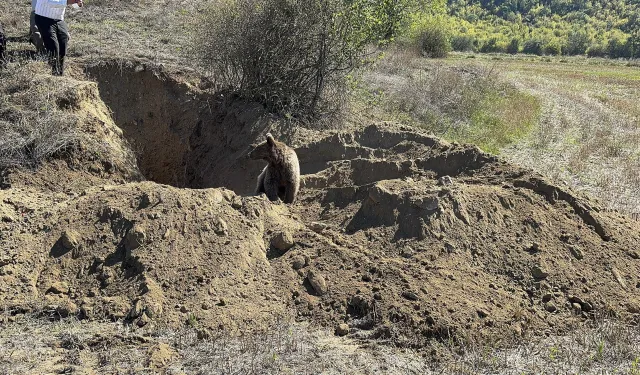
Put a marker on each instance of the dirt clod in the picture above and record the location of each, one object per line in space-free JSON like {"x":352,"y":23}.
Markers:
{"x":539,"y":273}
{"x":134,"y":238}
{"x":282,"y":240}
{"x":70,"y":239}
{"x":298,"y":262}
{"x":342,"y":329}
{"x":58,"y":287}
{"x":318,"y":282}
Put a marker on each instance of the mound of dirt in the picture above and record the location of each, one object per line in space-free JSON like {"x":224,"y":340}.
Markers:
{"x":399,"y":235}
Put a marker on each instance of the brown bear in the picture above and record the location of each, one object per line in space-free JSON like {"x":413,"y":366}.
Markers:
{"x":281,"y":177}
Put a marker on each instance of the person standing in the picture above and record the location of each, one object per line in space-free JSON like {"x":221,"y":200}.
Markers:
{"x":49,"y":18}
{"x":34,"y":34}
{"x":3,"y":46}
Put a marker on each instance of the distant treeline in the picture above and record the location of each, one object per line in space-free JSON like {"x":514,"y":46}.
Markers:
{"x":546,"y":27}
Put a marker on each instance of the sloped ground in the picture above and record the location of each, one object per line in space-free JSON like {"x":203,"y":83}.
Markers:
{"x":407,"y":239}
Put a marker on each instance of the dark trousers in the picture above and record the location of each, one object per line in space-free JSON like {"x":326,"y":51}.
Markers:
{"x":55,"y":37}
{"x":3,"y":45}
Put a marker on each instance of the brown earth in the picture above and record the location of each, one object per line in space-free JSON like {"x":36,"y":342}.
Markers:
{"x":404,"y":237}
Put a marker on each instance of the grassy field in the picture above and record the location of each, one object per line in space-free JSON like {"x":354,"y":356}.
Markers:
{"x":572,"y":119}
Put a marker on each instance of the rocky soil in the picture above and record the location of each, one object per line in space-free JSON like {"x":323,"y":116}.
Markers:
{"x":396,"y":237}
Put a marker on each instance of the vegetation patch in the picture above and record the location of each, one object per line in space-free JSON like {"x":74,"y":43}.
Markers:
{"x":33,"y":127}
{"x":464,"y":103}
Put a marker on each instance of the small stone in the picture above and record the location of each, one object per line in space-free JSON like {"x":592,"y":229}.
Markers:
{"x":183,"y":309}
{"x":619,"y":277}
{"x":317,"y":282}
{"x":70,"y":239}
{"x":550,"y":307}
{"x":342,"y":329}
{"x":445,"y":181}
{"x":547,"y":297}
{"x":366,"y":278}
{"x":318,"y":227}
{"x":236,"y":202}
{"x":58,"y":287}
{"x":136,"y":310}
{"x":377,"y":296}
{"x":633,"y":306}
{"x":410,"y":295}
{"x":203,"y":334}
{"x":535,"y":247}
{"x":66,"y":309}
{"x":143,"y":320}
{"x":134,"y":238}
{"x":576,"y":307}
{"x":282,"y":241}
{"x":145,"y":201}
{"x":407,"y":252}
{"x":220,"y":227}
{"x":576,"y":252}
{"x":222,"y":302}
{"x":482,"y":313}
{"x":298,"y":262}
{"x":538,"y":273}
{"x":634,"y":254}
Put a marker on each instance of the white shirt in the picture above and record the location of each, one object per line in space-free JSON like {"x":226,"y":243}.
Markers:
{"x":53,"y":9}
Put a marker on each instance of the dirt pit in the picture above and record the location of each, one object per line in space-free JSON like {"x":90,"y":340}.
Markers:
{"x":402,"y":236}
{"x":181,"y":136}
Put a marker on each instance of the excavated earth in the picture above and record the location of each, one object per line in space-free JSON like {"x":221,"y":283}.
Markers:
{"x":402,"y":236}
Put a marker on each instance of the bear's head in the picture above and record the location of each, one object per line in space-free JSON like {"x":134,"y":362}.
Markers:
{"x":269,"y":150}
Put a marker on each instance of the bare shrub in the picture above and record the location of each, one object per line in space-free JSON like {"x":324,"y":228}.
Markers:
{"x":293,"y":56}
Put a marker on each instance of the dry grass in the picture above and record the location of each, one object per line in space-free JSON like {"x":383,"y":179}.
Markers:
{"x":32,"y":126}
{"x":32,"y":344}
{"x":589,"y":131}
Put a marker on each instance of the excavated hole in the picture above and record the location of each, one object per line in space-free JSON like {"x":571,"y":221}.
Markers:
{"x":187,"y":138}
{"x":181,"y":136}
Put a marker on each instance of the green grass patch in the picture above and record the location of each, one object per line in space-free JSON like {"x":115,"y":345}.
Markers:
{"x":499,"y":120}
{"x":459,"y":102}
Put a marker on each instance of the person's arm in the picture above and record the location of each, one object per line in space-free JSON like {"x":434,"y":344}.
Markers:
{"x":62,"y":3}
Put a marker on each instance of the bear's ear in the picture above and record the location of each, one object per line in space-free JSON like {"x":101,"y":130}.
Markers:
{"x":270,"y":139}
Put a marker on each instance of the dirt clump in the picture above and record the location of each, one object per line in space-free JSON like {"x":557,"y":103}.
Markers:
{"x":399,"y":236}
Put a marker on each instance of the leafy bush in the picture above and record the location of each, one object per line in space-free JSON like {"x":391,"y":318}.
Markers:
{"x":287,"y":54}
{"x":597,"y":50}
{"x":462,"y":43}
{"x":492,"y":45}
{"x":432,"y":35}
{"x":552,"y":47}
{"x":577,"y":42}
{"x":619,"y":48}
{"x":533,"y":47}
{"x":514,"y":46}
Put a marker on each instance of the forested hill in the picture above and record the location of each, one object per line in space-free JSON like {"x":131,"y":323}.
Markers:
{"x":595,"y":27}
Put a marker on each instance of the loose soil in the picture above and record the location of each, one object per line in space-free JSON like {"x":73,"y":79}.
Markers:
{"x":404,"y":237}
